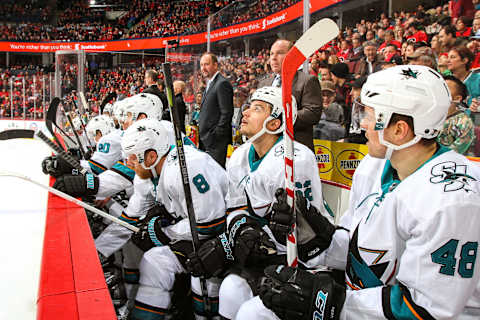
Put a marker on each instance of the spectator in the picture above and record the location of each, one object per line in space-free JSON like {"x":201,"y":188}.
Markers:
{"x":355,"y":133}
{"x":356,"y":54}
{"x":371,"y":62}
{"x":324,"y":72}
{"x":330,"y":125}
{"x":459,"y":62}
{"x":462,"y":30}
{"x":389,"y":40}
{"x":443,"y":64}
{"x":460,"y":8}
{"x":151,"y":77}
{"x":305,"y":89}
{"x":216,"y":110}
{"x":178,"y":90}
{"x":458,"y":130}
{"x":447,"y":38}
{"x":417,"y":34}
{"x":340,"y":78}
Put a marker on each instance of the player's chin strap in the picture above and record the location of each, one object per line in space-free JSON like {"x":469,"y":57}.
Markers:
{"x":152,"y":167}
{"x":392,"y":147}
{"x":265,"y":130}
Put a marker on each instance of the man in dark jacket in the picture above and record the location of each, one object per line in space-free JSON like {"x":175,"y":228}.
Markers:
{"x":216,"y":111}
{"x":178,"y":89}
{"x":151,"y":78}
{"x":305,"y":89}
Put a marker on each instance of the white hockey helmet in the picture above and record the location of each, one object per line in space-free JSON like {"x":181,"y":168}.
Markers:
{"x":108,"y":109}
{"x":118,"y":111}
{"x":102,"y":123}
{"x":143,"y":135}
{"x":273,"y":96}
{"x":146,"y":103}
{"x":411,"y":90}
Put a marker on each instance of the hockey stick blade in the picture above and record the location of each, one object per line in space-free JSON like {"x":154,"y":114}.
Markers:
{"x":318,"y":35}
{"x":17,"y":134}
{"x":71,"y":199}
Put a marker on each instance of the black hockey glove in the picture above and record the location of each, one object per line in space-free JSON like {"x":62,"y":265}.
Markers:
{"x":282,"y":218}
{"x":211,"y":259}
{"x":251,"y":245}
{"x":77,"y":186}
{"x":150,"y":234}
{"x":294,"y":294}
{"x":56,"y":166}
{"x":75,"y":152}
{"x":322,"y":228}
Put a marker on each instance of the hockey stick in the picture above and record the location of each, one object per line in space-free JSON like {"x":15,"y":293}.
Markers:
{"x":319,"y":34}
{"x":184,"y":174}
{"x":82,"y":123}
{"x":51,"y":119}
{"x":71,"y":199}
{"x":84,"y":103}
{"x":51,"y":114}
{"x":80,"y":146}
{"x":107,"y":99}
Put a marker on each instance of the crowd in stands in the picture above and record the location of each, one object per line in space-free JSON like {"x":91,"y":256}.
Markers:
{"x":34,"y":20}
{"x":445,"y":38}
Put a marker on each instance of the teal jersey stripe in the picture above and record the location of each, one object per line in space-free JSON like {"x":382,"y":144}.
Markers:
{"x":123,"y":170}
{"x":398,"y":305}
{"x":95,"y":167}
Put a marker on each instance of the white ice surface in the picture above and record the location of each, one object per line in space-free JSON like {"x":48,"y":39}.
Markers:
{"x":22,"y":214}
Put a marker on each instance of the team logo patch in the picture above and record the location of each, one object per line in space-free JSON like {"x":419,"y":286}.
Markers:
{"x":453,"y":176}
{"x":409,"y":73}
{"x":347,"y":162}
{"x":324,"y":157}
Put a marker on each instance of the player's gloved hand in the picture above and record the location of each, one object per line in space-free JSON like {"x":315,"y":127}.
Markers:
{"x":150,"y":234}
{"x":251,"y":245}
{"x":77,"y":186}
{"x":211,"y":259}
{"x":310,"y":220}
{"x":282,"y":219}
{"x":295,"y":294}
{"x":89,"y":153}
{"x":56,"y":166}
{"x":75,"y":152}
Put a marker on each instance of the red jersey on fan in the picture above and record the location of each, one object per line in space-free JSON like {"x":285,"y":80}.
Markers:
{"x":395,"y":42}
{"x":419,"y":36}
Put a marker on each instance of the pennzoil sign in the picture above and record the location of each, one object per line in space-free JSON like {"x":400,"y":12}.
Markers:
{"x":347,"y":162}
{"x":324,"y":157}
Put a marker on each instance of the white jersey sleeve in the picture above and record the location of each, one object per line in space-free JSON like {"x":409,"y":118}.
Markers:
{"x":413,"y":243}
{"x":108,"y":152}
{"x":208,"y":186}
{"x":114,"y":180}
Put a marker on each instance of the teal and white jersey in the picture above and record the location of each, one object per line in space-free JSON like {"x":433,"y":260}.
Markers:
{"x":208,"y":185}
{"x":109,"y":151}
{"x":411,"y":247}
{"x":260,"y":178}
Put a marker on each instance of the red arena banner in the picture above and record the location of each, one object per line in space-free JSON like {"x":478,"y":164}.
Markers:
{"x":239,"y":30}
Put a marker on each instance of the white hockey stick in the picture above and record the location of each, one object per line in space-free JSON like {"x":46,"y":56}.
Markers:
{"x":318,"y":35}
{"x":71,"y":199}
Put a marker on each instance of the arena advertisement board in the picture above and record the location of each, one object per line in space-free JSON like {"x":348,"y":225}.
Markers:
{"x":337,"y":161}
{"x":239,"y":30}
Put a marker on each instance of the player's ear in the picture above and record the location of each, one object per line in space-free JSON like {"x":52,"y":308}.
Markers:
{"x":274,"y":124}
{"x":401,"y":132}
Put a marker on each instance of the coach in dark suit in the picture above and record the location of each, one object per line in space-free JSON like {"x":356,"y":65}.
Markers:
{"x":305,"y":89}
{"x":216,"y":111}
{"x":151,"y":78}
